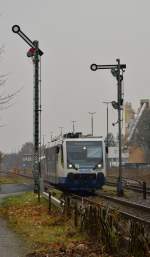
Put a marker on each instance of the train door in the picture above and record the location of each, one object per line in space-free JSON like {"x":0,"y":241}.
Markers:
{"x":51,"y":164}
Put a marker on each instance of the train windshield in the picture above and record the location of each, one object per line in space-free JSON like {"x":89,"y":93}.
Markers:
{"x":84,"y":154}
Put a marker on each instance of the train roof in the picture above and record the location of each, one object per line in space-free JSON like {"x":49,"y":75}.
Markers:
{"x":84,"y":139}
{"x":74,"y":137}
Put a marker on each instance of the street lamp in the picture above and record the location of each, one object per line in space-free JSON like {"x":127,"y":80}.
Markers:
{"x":73,"y":126}
{"x":36,"y":53}
{"x":92,"y":122}
{"x":43,"y":140}
{"x":51,"y":135}
{"x":61,"y":131}
{"x":117,"y":71}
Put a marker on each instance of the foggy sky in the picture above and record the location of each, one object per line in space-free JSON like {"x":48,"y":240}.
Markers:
{"x":73,"y":35}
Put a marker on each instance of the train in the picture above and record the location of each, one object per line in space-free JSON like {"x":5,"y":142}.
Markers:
{"x":75,"y":163}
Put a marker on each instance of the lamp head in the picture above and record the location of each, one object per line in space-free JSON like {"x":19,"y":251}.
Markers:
{"x":15,"y":28}
{"x":93,"y":67}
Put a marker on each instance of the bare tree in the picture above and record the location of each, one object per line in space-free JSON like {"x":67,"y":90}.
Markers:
{"x":6,"y":99}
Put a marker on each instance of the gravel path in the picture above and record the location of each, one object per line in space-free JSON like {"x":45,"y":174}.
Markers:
{"x":10,"y":243}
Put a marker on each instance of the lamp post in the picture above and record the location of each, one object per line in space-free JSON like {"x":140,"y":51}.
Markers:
{"x":61,"y":131}
{"x":73,"y":126}
{"x":92,"y":122}
{"x":116,"y":70}
{"x":35,"y":53}
{"x":43,"y":140}
{"x":107,"y":125}
{"x":51,"y":135}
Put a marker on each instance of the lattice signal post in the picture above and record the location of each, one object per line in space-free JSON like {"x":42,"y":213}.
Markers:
{"x":117,"y":71}
{"x":35,"y":53}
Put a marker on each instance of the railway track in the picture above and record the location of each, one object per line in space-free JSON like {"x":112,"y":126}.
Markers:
{"x":135,"y":186}
{"x":109,"y":182}
{"x":126,"y":208}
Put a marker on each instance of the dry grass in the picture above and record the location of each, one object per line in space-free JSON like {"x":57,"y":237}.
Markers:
{"x":13,"y":179}
{"x":31,"y":219}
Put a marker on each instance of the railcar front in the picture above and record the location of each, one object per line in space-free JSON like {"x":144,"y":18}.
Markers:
{"x":84,"y":164}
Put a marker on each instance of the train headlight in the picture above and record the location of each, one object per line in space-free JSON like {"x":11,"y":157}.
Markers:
{"x":98,"y":166}
{"x":72,"y":166}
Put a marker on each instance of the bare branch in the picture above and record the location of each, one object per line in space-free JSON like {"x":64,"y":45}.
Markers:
{"x":5,"y":98}
{"x":9,"y":97}
{"x":2,"y":108}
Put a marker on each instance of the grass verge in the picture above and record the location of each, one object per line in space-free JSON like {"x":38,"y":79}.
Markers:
{"x":40,"y":229}
{"x":13,"y":179}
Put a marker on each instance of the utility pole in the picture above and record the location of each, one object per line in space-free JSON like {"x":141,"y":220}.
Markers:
{"x":51,"y":133}
{"x":36,"y":162}
{"x":120,"y":103}
{"x":35,"y":53}
{"x":107,"y":125}
{"x":61,"y":131}
{"x":116,"y":71}
{"x":92,"y":122}
{"x":43,"y":140}
{"x":73,"y":126}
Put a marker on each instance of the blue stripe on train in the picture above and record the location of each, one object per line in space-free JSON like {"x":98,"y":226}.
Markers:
{"x":80,"y":184}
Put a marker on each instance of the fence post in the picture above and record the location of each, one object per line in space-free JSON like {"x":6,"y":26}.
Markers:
{"x":49,"y":202}
{"x":75,"y":215}
{"x":144,"y":190}
{"x":68,"y":206}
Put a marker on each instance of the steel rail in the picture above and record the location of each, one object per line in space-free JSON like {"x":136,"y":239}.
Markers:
{"x":130,"y":216}
{"x":125,"y":202}
{"x":122,"y":213}
{"x":130,"y":187}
